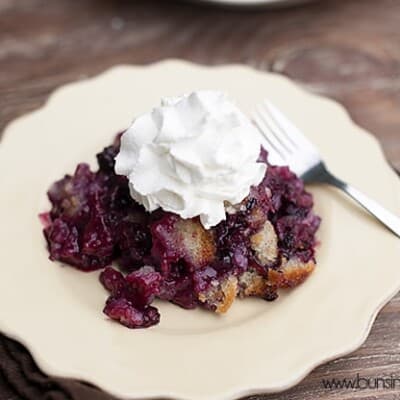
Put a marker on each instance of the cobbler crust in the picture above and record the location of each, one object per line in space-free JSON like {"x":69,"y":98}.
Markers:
{"x":291,"y":273}
{"x":197,"y":241}
{"x":265,"y":244}
{"x":250,"y":283}
{"x":221,"y":297}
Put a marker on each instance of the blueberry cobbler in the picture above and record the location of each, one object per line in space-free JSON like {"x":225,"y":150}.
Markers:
{"x":184,"y":207}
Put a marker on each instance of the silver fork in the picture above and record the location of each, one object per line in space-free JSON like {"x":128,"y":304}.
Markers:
{"x":286,"y":145}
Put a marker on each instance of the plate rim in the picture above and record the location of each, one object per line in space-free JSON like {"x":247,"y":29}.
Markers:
{"x":45,"y":367}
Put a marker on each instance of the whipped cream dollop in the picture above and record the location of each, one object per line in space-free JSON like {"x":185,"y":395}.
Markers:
{"x":191,"y":156}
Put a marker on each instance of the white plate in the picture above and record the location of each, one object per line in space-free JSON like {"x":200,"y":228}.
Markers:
{"x":258,"y":346}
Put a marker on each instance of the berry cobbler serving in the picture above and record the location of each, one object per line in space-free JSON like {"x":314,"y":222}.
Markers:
{"x":184,"y":207}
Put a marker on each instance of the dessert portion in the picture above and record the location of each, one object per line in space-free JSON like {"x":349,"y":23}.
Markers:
{"x":187,"y":209}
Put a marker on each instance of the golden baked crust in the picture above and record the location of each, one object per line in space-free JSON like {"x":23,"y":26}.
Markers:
{"x":198,"y":242}
{"x":265,"y":244}
{"x":292,"y":273}
{"x":229,"y":290}
{"x":289,"y":275}
{"x":220,"y":297}
{"x":250,"y":283}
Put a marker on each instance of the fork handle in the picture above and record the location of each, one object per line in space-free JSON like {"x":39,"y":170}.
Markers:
{"x":391,"y":221}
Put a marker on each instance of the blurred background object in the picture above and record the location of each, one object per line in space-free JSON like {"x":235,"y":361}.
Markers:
{"x":345,"y":49}
{"x":254,"y":3}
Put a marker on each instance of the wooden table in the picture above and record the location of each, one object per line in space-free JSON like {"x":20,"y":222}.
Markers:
{"x":345,"y":49}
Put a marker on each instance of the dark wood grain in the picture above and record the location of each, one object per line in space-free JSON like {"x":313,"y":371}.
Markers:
{"x":345,"y":49}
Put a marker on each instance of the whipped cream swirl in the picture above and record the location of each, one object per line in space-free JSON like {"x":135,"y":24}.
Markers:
{"x":191,"y":156}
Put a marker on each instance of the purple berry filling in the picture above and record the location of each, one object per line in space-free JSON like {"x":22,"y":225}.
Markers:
{"x":94,"y":222}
